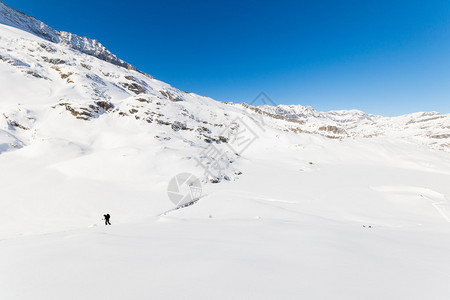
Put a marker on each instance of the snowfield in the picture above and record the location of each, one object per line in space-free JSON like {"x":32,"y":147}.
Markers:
{"x":310,"y":205}
{"x":285,"y":230}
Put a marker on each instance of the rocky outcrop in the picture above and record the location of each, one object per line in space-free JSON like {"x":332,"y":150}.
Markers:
{"x":333,"y":129}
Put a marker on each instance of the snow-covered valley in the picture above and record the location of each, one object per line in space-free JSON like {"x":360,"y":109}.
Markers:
{"x":335,"y":205}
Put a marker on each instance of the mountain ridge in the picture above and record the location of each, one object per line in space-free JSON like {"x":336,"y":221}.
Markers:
{"x":12,"y":17}
{"x":66,"y":65}
{"x":432,"y":128}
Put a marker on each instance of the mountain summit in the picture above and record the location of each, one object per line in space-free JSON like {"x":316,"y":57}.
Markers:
{"x":15,"y":18}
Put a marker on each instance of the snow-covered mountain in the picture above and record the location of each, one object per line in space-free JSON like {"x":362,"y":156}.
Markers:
{"x":47,"y":80}
{"x":430,"y":128}
{"x":82,"y":81}
{"x":14,"y":18}
{"x":313,"y":205}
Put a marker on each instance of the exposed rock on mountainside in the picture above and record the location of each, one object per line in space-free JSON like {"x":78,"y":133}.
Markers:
{"x":68,"y":76}
{"x":422,"y":127}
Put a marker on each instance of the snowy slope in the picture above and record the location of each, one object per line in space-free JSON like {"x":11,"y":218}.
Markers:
{"x":285,"y":217}
{"x":287,"y":229}
{"x":88,"y":119}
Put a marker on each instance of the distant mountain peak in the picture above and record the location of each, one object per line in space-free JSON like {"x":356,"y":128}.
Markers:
{"x":14,"y":18}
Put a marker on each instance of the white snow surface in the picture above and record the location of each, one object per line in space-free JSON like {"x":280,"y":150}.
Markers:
{"x":301,"y":213}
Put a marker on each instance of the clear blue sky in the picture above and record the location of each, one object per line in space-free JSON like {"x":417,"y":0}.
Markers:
{"x":383,"y":57}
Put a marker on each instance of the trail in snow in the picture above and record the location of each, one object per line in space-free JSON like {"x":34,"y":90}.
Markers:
{"x":438,"y":200}
{"x":437,"y":206}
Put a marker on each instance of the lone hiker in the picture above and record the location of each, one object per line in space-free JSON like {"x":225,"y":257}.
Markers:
{"x":107,"y":216}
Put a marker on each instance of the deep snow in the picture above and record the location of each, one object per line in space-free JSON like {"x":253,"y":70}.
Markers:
{"x":295,"y":214}
{"x":285,"y":229}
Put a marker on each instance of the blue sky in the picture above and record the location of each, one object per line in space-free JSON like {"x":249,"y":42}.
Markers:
{"x":383,"y":57}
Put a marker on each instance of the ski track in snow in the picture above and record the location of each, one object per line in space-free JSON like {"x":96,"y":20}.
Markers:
{"x":437,"y":199}
{"x":438,"y":207}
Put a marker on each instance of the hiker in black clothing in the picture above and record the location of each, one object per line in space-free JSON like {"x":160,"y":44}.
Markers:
{"x":107,"y":216}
